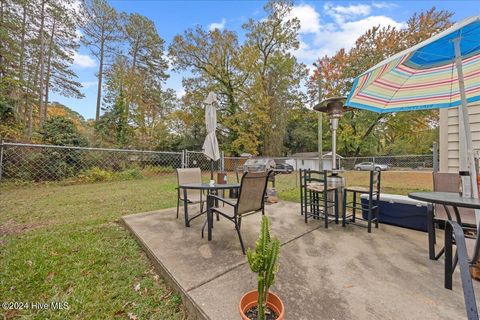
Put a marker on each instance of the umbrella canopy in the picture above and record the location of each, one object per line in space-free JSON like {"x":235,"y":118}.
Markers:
{"x":441,"y":72}
{"x":210,"y":146}
{"x":424,"y":76}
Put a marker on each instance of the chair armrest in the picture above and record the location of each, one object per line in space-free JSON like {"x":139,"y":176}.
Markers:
{"x":212,"y":196}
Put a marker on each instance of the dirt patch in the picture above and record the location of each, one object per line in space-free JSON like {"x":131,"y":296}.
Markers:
{"x":11,"y":227}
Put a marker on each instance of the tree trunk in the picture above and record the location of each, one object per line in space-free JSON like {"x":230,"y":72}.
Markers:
{"x":41,"y":62}
{"x":22,"y":56}
{"x":1,"y":44}
{"x":49,"y":71}
{"x":367,"y":133}
{"x":100,"y":76}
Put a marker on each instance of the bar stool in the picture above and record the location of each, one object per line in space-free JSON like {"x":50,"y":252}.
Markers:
{"x":314,"y":196}
{"x":372,"y":207}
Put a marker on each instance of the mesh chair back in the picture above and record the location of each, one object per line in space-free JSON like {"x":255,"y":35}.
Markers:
{"x":252,"y":192}
{"x":189,"y":175}
{"x":448,"y":182}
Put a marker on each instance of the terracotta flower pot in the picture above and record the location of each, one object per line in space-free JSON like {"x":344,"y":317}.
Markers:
{"x":249,"y":300}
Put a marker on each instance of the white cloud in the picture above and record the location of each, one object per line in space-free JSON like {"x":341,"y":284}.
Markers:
{"x":217,"y":25}
{"x":83,"y":60}
{"x":308,"y":16}
{"x":384,"y":5}
{"x":345,"y":13}
{"x":319,"y":38}
{"x":344,"y":35}
{"x":88,"y":84}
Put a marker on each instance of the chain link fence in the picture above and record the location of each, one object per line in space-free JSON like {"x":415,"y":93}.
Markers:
{"x":403,"y":162}
{"x":38,"y":163}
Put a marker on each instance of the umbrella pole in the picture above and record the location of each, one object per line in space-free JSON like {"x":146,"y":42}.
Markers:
{"x":211,"y":169}
{"x":467,"y":159}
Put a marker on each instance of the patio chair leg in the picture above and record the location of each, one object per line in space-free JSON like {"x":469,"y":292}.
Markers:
{"x":369,"y":219}
{"x":240,"y":238}
{"x":325,"y":209}
{"x":336,"y":206}
{"x":354,"y":209}
{"x":239,"y":223}
{"x":431,"y":232}
{"x":344,"y":208}
{"x":448,"y":256}
{"x":178,"y":205}
{"x":305,"y":213}
{"x":185,"y":208}
{"x":377,"y":216}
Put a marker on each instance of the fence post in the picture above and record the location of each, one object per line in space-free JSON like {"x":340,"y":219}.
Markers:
{"x":1,"y":159}
{"x":435,"y":157}
{"x":296,"y":172}
{"x":222,"y":161}
{"x":183,"y":158}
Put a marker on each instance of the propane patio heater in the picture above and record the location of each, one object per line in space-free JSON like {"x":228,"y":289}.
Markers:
{"x":334,"y":108}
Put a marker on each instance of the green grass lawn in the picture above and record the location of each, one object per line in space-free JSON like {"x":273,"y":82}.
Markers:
{"x":396,"y":182}
{"x":62,"y":243}
{"x":65,"y":245}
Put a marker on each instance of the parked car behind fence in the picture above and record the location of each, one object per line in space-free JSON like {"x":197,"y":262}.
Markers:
{"x":371,"y":165}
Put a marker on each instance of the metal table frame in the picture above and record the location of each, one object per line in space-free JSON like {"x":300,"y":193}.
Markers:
{"x":454,"y":234}
{"x":211,"y":189}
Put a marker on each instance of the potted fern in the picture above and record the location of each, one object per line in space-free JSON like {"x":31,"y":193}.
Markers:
{"x":261,"y":304}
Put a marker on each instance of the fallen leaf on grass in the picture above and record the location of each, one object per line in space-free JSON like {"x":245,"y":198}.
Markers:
{"x":131,"y":316}
{"x":119,"y":313}
{"x":30,"y":263}
{"x":69,"y":290}
{"x":50,"y":275}
{"x":136,"y":287}
{"x":166,"y":296}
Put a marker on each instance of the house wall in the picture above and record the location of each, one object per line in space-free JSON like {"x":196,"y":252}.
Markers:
{"x":449,"y":159}
{"x":303,"y":164}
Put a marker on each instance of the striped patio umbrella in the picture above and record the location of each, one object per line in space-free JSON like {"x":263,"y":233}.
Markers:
{"x":441,"y":72}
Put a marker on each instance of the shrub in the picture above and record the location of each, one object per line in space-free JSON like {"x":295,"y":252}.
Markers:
{"x":129,"y":174}
{"x":95,"y":174}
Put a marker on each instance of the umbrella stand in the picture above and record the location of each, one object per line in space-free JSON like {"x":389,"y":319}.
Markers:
{"x":467,"y":159}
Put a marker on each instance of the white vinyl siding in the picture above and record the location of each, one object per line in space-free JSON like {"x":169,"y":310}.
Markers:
{"x":449,"y":136}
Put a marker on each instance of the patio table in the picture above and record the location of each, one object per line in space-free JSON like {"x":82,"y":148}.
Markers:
{"x":210,"y":188}
{"x":454,"y":229}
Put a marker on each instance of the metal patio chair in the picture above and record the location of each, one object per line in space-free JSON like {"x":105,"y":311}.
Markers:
{"x":372,"y":207}
{"x":439,"y":214}
{"x":190,"y":175}
{"x":316,"y":196}
{"x":250,"y":200}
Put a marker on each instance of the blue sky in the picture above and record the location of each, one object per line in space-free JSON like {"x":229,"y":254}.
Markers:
{"x":326,"y":26}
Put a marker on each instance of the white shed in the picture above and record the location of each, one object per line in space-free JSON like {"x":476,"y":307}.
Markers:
{"x":309,"y":160}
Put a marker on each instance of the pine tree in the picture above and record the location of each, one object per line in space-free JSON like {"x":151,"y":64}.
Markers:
{"x":100,"y":25}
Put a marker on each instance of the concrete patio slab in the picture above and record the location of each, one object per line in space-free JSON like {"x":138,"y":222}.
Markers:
{"x":339,"y":273}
